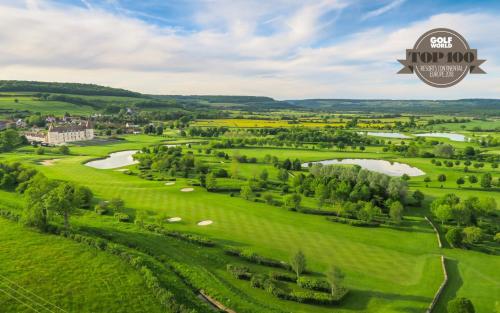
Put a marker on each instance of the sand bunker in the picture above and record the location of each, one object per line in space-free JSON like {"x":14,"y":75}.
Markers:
{"x":170,"y":183}
{"x":49,"y":162}
{"x":174,"y":219}
{"x":187,"y":189}
{"x":205,"y":223}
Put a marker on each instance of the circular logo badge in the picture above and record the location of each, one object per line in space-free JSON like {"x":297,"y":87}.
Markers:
{"x":441,"y":58}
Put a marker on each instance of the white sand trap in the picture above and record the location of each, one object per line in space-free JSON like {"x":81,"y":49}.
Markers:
{"x":174,"y":219}
{"x":205,"y":223}
{"x":170,"y":183}
{"x":49,"y":162}
{"x":187,"y":189}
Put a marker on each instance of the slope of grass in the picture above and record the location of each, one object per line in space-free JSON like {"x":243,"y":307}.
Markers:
{"x":389,"y":270}
{"x":38,"y":269}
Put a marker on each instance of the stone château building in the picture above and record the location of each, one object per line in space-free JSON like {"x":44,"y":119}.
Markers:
{"x":61,"y":134}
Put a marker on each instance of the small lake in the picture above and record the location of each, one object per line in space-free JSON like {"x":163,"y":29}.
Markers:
{"x":451,"y":136}
{"x":114,"y":160}
{"x":386,"y":135}
{"x":380,"y":166}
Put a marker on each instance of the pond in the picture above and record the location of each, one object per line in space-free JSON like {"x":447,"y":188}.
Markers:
{"x":387,"y":135}
{"x":451,"y":136}
{"x":380,"y":166}
{"x":114,"y":160}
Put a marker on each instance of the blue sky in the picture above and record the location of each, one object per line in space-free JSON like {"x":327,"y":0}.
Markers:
{"x":284,"y":49}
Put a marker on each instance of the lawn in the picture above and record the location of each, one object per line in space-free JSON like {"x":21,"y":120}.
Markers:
{"x":388,"y":269}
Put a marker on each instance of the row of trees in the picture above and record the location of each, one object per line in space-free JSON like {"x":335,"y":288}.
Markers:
{"x":469,"y":211}
{"x":45,"y":198}
{"x":168,"y":160}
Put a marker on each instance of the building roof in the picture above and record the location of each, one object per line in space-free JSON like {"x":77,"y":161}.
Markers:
{"x":66,"y":128}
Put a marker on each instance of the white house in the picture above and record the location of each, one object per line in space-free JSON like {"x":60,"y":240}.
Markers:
{"x":61,"y":134}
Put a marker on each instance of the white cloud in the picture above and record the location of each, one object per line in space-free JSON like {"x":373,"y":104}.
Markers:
{"x":230,"y":55}
{"x":384,"y":9}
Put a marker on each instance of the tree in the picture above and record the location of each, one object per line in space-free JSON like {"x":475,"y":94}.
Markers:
{"x":116,"y":205}
{"x":418,"y":196}
{"x":83,"y":197}
{"x":444,"y":150}
{"x":292,"y":201}
{"x":486,"y":206}
{"x":298,"y":263}
{"x":396,"y":212}
{"x":472,"y":234}
{"x":64,"y":150}
{"x":469,"y":151}
{"x":472,"y":179}
{"x":264,"y":175}
{"x":486,"y":180}
{"x":140,"y":217}
{"x":296,"y":165}
{"x":368,"y":212}
{"x":321,"y":193}
{"x":460,"y":181}
{"x":335,"y":278}
{"x":442,"y":212}
{"x":283,"y":175}
{"x":268,"y":197}
{"x":454,"y":237}
{"x":246,"y":192}
{"x":9,"y":139}
{"x":234,"y":166}
{"x":460,"y":305}
{"x":62,"y":201}
{"x":211,"y":182}
{"x":441,"y":178}
{"x":36,"y":212}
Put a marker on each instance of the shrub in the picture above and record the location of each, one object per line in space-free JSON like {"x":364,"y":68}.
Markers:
{"x":313,"y":284}
{"x":312,"y":297}
{"x":497,"y":237}
{"x":283,"y":276}
{"x":239,"y":272}
{"x":460,"y":305}
{"x":196,"y":239}
{"x":122,"y":217}
{"x":258,"y":281}
{"x":472,"y":234}
{"x":253,"y":257}
{"x":101,"y":208}
{"x":454,"y":237}
{"x":352,"y":222}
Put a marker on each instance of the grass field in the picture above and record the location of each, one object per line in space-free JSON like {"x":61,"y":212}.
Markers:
{"x":28,"y":103}
{"x":53,"y":274}
{"x":389,"y":270}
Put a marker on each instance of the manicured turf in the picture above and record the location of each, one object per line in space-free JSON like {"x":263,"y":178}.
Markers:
{"x":388,"y":270}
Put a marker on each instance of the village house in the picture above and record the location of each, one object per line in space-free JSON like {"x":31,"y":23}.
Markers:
{"x":61,"y":134}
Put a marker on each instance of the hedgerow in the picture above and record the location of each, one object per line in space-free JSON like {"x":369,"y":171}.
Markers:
{"x":253,"y":257}
{"x":196,"y":239}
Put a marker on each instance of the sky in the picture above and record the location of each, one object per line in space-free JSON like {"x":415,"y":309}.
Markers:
{"x":285,"y":49}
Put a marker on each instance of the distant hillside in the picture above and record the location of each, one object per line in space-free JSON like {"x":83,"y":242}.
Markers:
{"x":65,"y":88}
{"x":489,"y":107}
{"x":248,"y":103}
